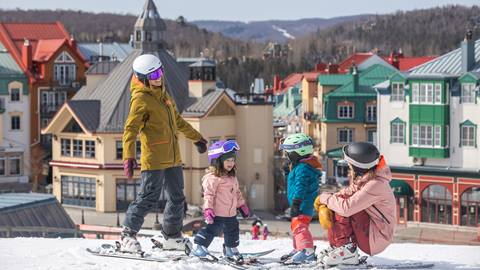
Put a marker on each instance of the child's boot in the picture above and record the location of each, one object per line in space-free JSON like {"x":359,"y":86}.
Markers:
{"x":346,"y":254}
{"x":232,"y":254}
{"x":304,"y":256}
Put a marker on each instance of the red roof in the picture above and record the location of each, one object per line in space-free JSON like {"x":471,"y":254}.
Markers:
{"x":45,"y":40}
{"x":356,"y":58}
{"x":290,"y":81}
{"x":407,"y":63}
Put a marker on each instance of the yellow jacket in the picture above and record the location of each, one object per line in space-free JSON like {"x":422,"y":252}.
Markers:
{"x":153,"y":114}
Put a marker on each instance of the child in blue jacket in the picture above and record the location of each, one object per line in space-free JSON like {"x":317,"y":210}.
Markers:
{"x":302,"y":189}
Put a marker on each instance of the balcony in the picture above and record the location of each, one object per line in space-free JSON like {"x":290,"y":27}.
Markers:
{"x":310,"y":116}
{"x":48,"y":109}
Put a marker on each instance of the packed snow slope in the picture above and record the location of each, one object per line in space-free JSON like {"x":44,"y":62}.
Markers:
{"x":44,"y":253}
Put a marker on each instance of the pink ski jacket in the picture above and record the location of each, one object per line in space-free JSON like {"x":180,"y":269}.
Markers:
{"x":375,"y":196}
{"x":222,"y":194}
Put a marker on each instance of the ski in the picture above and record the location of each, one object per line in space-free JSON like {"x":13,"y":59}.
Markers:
{"x":412,"y":265}
{"x":130,"y":256}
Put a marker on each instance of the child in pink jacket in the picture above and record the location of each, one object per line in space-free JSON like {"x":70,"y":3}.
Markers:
{"x":364,"y":213}
{"x":222,"y":197}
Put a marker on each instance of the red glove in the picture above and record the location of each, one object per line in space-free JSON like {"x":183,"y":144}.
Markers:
{"x":128,"y":165}
{"x":244,"y":211}
{"x":209,"y":215}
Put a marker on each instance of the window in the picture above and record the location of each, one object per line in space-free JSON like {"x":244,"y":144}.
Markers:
{"x":14,"y":165}
{"x":429,"y":93}
{"x":138,"y":35}
{"x":78,"y":190}
{"x":415,"y":93}
{"x":415,"y":135}
{"x":345,"y":111}
{"x":437,"y":138}
{"x":447,"y":93}
{"x":372,"y":113}
{"x":118,"y":150}
{"x":50,"y":101}
{"x":345,"y":135}
{"x":15,"y":122}
{"x":397,"y":134}
{"x":468,"y":93}
{"x":138,"y":150}
{"x":467,"y":135}
{"x":372,"y":136}
{"x":64,"y":69}
{"x":44,"y":122}
{"x":14,"y":94}
{"x":90,"y":149}
{"x":447,"y":136}
{"x":127,"y":191}
{"x":422,"y":135}
{"x":423,"y":93}
{"x":77,"y":148}
{"x":438,"y":93}
{"x":2,"y":166}
{"x":398,"y":92}
{"x":65,"y":147}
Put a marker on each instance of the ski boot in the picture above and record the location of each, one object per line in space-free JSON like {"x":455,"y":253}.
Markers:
{"x":232,"y":254}
{"x":286,"y":257}
{"x":166,"y":242}
{"x":346,"y":254}
{"x":128,"y":242}
{"x":324,"y":253}
{"x":306,"y":255}
{"x":200,"y":251}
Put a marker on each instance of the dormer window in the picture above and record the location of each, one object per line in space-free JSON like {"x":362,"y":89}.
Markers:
{"x":64,"y":69}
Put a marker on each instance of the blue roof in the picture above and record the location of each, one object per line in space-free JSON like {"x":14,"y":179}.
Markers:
{"x":119,"y":50}
{"x":10,"y":201}
{"x":447,"y":64}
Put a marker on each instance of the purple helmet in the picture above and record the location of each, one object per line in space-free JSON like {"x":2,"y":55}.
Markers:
{"x":221,"y":147}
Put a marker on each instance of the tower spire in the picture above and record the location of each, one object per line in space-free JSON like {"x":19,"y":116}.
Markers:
{"x":149,"y":29}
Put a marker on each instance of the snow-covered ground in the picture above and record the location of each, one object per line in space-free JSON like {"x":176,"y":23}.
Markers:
{"x":39,"y":253}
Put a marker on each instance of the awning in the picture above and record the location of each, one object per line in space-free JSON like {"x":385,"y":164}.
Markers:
{"x":401,"y":188}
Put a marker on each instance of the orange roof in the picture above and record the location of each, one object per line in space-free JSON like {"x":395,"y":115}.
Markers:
{"x":46,"y":48}
{"x":289,"y":81}
{"x":407,"y":63}
{"x":45,"y":39}
{"x":356,"y":58}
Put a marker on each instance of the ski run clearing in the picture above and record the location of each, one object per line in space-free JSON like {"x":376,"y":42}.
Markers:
{"x":70,"y":253}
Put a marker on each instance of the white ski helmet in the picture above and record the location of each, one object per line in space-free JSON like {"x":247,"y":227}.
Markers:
{"x":145,"y":64}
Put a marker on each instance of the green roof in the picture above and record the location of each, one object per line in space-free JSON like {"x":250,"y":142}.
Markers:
{"x":294,"y":97}
{"x":8,"y":66}
{"x":367,"y":79}
{"x":334,"y":79}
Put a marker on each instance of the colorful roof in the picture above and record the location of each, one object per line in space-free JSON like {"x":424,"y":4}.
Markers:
{"x":334,"y":79}
{"x":45,"y":39}
{"x":120,"y":51}
{"x":449,"y":63}
{"x":367,"y":79}
{"x":407,"y":63}
{"x":8,"y":66}
{"x":356,"y":58}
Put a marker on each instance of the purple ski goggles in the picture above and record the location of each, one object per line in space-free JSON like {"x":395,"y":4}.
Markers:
{"x":221,"y":147}
{"x":155,"y":75}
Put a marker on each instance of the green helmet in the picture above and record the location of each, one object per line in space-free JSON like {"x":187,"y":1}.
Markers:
{"x":298,"y":143}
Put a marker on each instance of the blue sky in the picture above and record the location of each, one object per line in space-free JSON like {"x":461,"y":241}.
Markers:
{"x":242,"y":10}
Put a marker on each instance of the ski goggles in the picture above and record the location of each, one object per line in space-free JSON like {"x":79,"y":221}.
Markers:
{"x":295,"y":146}
{"x":226,"y":147}
{"x":155,"y":75}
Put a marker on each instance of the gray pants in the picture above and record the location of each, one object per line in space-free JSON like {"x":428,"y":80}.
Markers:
{"x":171,"y":180}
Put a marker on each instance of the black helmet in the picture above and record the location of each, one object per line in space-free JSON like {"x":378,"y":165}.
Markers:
{"x":361,"y":155}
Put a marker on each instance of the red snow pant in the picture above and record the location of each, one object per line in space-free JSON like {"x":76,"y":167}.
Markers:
{"x":302,"y":238}
{"x":353,"y":229}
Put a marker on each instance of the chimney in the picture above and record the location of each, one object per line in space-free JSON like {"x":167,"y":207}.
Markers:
{"x":354,"y":72}
{"x":468,"y":52}
{"x":27,"y":54}
{"x":332,"y":68}
{"x":320,"y":67}
{"x":276,"y":83}
{"x":394,"y":59}
{"x":73,"y":42}
{"x":100,"y":52}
